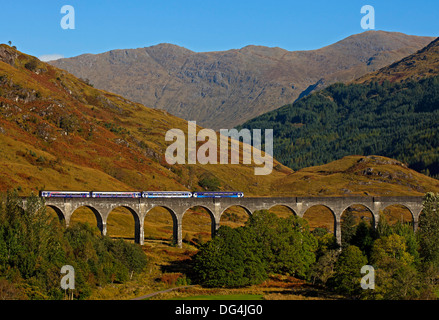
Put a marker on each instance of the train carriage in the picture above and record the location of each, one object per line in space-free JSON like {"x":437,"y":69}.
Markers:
{"x":218,"y":194}
{"x":166,"y":194}
{"x":112,"y":194}
{"x":65,"y":194}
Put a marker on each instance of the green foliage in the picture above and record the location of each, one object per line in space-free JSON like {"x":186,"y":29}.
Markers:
{"x":209,"y":182}
{"x":34,"y":247}
{"x":396,"y":120}
{"x":246,"y":255}
{"x":228,"y":261}
{"x":428,"y":233}
{"x":324,"y":268}
{"x":396,"y":275}
{"x":348,"y":228}
{"x":405,"y":262}
{"x":288,"y":245}
{"x":347,"y":273}
{"x":32,"y":65}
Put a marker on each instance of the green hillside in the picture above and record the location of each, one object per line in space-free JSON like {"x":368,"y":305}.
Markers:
{"x":397,"y":120}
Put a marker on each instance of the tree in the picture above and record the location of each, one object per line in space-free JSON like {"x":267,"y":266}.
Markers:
{"x":428,"y":231}
{"x":34,"y":247}
{"x":324,"y":268}
{"x":347,"y":274}
{"x":396,"y":275}
{"x":245,"y":255}
{"x":347,"y":230}
{"x":363,"y":238}
{"x":228,"y":261}
{"x":326,"y":241}
{"x":288,"y":245}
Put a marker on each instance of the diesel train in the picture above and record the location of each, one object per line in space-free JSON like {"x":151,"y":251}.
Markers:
{"x":141,"y":194}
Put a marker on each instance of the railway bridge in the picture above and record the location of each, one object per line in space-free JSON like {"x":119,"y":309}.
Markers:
{"x":139,"y":208}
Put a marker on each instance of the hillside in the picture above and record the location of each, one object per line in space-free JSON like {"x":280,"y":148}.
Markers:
{"x":358,"y":175}
{"x":394,"y":119}
{"x":58,"y":132}
{"x":226,"y":88}
{"x":422,"y":64}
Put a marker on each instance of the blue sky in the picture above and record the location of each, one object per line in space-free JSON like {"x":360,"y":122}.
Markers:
{"x":202,"y":25}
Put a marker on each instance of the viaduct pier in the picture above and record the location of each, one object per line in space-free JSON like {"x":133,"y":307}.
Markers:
{"x":177,"y":207}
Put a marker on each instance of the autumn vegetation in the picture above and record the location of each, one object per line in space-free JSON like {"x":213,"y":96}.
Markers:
{"x":406,"y":262}
{"x":34,"y":246}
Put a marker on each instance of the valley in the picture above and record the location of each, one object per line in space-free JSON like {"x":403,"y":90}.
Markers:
{"x":58,"y":132}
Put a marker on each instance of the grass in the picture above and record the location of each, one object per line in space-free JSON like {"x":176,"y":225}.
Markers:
{"x":167,"y":263}
{"x":223,"y":297}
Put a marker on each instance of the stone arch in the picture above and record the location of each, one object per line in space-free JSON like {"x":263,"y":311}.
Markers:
{"x":99,"y":219}
{"x":175,"y":220}
{"x":59,"y":213}
{"x":233,"y":219}
{"x":334,"y":215}
{"x":412,"y":215}
{"x":138,"y":232}
{"x":284,"y":206}
{"x":247,"y":210}
{"x":372,"y":213}
{"x":201,"y":232}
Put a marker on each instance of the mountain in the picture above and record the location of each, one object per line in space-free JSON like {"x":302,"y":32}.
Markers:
{"x":422,"y":64}
{"x":393,"y":112}
{"x":225,"y":88}
{"x":58,"y":132}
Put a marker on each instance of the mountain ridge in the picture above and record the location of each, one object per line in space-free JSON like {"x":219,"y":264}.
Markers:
{"x":422,"y":64}
{"x":58,"y":132}
{"x":222,"y":89}
{"x":392,"y":112}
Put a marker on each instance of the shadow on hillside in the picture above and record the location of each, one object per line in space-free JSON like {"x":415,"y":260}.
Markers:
{"x":181,"y":264}
{"x":309,"y":291}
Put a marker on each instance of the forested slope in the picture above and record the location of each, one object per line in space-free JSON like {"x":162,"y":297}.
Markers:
{"x":397,"y":120}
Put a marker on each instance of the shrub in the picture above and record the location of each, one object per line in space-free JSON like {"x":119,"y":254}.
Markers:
{"x":34,"y":247}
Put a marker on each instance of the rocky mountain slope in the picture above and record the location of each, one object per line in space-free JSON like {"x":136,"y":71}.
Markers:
{"x":57,"y":132}
{"x":422,"y":64}
{"x":393,"y":112}
{"x":224,"y":89}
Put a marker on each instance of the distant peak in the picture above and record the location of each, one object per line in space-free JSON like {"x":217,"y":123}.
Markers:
{"x":168,"y":46}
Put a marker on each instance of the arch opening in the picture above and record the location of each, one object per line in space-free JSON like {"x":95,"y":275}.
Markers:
{"x":320,"y":217}
{"x":123,"y":223}
{"x":282,"y":211}
{"x":197,"y":225}
{"x":397,"y":213}
{"x":357,"y":227}
{"x":158,"y":225}
{"x":235,"y":216}
{"x":87,"y":215}
{"x":55,"y":213}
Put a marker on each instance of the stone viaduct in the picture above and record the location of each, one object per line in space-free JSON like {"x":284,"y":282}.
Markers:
{"x":139,"y":208}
